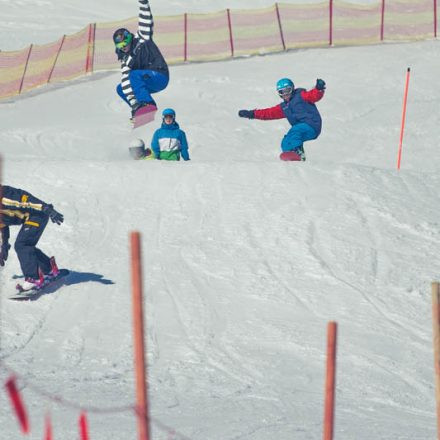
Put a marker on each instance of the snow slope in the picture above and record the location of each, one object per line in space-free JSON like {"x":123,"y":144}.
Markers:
{"x":245,"y":258}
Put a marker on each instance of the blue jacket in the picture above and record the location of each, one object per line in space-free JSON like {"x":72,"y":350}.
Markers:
{"x":171,"y":141}
{"x":298,"y":110}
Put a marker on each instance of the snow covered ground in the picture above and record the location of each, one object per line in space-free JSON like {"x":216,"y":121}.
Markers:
{"x":246,"y":258}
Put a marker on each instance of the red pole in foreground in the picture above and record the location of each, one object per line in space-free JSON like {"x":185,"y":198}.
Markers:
{"x":48,"y":435}
{"x":17,"y":404}
{"x":329,"y":410}
{"x":139,"y":342}
{"x":83,"y":426}
{"x":399,"y":156}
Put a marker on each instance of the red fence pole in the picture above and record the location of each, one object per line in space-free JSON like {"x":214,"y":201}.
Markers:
{"x":280,"y":26}
{"x":25,"y":69}
{"x":56,"y":59}
{"x":402,"y":127}
{"x":139,"y":342}
{"x":90,"y":48}
{"x":329,"y":410}
{"x":230,"y":32}
{"x":185,"y":42}
{"x":330,"y":14}
{"x":382,"y":21}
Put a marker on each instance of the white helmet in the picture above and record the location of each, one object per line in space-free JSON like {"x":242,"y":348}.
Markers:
{"x":137,"y":148}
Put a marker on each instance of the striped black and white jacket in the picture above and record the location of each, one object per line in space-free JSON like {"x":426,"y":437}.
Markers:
{"x":144,"y":54}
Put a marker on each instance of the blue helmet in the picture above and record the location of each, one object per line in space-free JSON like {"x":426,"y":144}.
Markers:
{"x":169,"y":112}
{"x":284,"y":83}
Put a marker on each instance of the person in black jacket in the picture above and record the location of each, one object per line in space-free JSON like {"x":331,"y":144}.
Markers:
{"x":144,"y":69}
{"x":19,"y":207}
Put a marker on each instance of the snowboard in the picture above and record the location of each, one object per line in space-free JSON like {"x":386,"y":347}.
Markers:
{"x":144,"y":115}
{"x":28,"y":294}
{"x":290,"y":155}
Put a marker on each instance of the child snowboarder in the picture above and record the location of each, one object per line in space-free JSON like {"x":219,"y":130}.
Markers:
{"x":19,"y":207}
{"x":169,"y":142}
{"x":144,"y":69}
{"x":299,"y":108}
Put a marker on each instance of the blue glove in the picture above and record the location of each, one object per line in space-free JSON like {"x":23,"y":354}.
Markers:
{"x":246,"y":114}
{"x":320,"y":84}
{"x":55,"y":216}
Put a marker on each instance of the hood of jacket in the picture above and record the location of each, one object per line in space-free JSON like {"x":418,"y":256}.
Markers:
{"x":173,"y":126}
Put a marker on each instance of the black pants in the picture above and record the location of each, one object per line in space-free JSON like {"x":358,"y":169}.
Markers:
{"x":31,"y":258}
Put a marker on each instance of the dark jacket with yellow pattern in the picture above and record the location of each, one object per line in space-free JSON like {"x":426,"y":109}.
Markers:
{"x":17,"y":207}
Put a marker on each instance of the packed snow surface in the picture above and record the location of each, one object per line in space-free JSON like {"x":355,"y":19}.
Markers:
{"x":245,"y":258}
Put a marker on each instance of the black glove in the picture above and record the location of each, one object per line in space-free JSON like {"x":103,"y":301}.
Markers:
{"x":4,"y":250}
{"x":55,"y":216}
{"x":250,"y":114}
{"x":320,"y":84}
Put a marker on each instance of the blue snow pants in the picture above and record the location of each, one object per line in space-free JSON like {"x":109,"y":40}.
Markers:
{"x":30,"y":257}
{"x":144,"y":83}
{"x":297,"y":135}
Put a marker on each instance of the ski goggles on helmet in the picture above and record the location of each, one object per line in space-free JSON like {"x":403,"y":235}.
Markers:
{"x":123,"y":39}
{"x":285,"y":91}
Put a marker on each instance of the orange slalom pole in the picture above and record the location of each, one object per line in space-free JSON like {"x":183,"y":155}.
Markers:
{"x":329,"y":410}
{"x":139,"y":341}
{"x":399,"y":156}
{"x":435,"y":287}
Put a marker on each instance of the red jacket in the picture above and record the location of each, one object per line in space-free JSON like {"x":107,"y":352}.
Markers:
{"x":276,"y":112}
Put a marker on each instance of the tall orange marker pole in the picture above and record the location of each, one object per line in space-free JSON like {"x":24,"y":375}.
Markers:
{"x":329,"y":410}
{"x":403,"y":118}
{"x":435,"y":287}
{"x":139,"y":342}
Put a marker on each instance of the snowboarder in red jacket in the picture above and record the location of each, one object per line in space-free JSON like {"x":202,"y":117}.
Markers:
{"x":299,"y":108}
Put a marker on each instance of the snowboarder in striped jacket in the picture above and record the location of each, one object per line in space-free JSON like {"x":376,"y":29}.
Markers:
{"x":144,"y":69}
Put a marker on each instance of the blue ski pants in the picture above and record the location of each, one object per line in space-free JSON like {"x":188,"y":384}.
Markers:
{"x":297,"y":135}
{"x":30,"y":257}
{"x":143,"y":84}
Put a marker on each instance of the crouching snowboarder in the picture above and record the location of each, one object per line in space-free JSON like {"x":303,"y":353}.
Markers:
{"x":19,"y":207}
{"x":299,"y":108}
{"x":169,"y":142}
{"x":144,"y":69}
